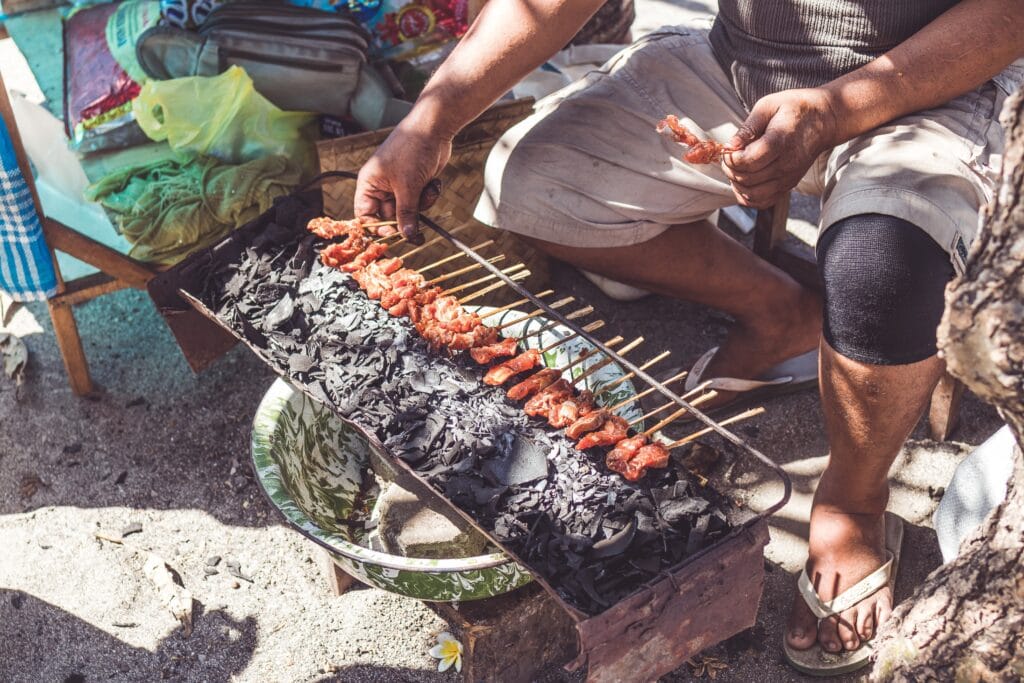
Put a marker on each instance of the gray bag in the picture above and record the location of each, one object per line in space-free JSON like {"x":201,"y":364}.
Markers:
{"x":298,"y":58}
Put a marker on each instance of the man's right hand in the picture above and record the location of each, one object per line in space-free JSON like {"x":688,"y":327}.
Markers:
{"x":396,"y":182}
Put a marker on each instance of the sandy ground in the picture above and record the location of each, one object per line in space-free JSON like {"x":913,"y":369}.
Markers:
{"x":166,"y":449}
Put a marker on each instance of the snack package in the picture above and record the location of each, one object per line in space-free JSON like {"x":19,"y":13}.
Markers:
{"x":102,"y":75}
{"x":187,"y":13}
{"x":401,"y":29}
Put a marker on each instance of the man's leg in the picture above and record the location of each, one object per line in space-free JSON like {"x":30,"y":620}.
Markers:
{"x":776,"y":318}
{"x":884,"y":280}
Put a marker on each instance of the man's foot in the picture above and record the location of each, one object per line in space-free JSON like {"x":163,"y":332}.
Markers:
{"x":843,"y":549}
{"x":793,"y":328}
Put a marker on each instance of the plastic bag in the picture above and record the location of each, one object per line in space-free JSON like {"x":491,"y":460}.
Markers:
{"x":223,"y":116}
{"x":101,"y":74}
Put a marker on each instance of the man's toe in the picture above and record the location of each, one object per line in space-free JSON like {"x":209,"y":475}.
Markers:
{"x":802,"y":630}
{"x":828,"y":635}
{"x":866,"y":623}
{"x":883,"y":608}
{"x":847,"y":629}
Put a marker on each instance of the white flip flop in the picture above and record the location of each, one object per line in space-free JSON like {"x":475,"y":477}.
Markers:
{"x":788,"y":376}
{"x":815,"y":661}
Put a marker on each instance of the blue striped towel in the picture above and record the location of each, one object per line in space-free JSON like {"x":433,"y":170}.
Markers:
{"x":26,"y":265}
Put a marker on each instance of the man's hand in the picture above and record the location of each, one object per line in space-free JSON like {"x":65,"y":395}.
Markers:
{"x":396,"y":182}
{"x":783,"y":135}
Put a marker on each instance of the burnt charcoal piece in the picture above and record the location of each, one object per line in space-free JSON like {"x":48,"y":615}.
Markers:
{"x":526,"y":461}
{"x":594,"y":537}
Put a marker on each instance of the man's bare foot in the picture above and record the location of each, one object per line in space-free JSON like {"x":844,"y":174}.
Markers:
{"x":844,"y":547}
{"x":792,"y":328}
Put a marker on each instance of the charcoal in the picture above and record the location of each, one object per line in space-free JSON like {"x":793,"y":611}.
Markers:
{"x":524,"y":463}
{"x":680,"y":509}
{"x":594,"y":537}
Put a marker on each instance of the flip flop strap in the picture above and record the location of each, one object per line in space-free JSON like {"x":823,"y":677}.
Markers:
{"x":865,"y":588}
{"x":696,"y":375}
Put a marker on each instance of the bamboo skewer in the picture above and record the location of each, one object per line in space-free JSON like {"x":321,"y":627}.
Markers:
{"x":686,"y":397}
{"x":700,"y":400}
{"x":446,"y":259}
{"x":509,"y":307}
{"x":596,"y":325}
{"x":645,"y":392}
{"x":486,"y":278}
{"x":753,"y":412}
{"x":532,"y":314}
{"x":522,"y":274}
{"x":463,"y":271}
{"x":586,"y":310}
{"x":378,"y":224}
{"x":584,"y":356}
{"x":660,"y":357}
{"x":594,"y":368}
{"x":432,"y":242}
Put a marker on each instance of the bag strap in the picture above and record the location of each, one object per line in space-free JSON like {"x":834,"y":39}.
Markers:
{"x":166,"y":52}
{"x":309,"y":184}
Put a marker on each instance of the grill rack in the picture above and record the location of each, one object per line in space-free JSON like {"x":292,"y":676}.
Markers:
{"x":622,"y":361}
{"x":707,"y":597}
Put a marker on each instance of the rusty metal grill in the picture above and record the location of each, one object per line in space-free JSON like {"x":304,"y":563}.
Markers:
{"x":603,"y":636}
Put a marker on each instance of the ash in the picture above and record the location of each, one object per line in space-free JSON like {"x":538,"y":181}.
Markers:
{"x":592,"y":536}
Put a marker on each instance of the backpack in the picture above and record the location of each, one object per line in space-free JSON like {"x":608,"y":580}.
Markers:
{"x":300,"y":59}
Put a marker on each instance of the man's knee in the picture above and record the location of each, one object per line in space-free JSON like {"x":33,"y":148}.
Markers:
{"x":883,"y":280}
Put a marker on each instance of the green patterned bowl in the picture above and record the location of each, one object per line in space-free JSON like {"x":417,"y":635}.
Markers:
{"x":311,"y":465}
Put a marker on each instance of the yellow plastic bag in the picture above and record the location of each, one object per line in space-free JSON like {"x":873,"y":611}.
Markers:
{"x":223,"y":116}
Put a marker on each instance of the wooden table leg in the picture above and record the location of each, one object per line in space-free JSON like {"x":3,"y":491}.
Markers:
{"x":70,"y":344}
{"x":338,"y":580}
{"x":944,"y":410}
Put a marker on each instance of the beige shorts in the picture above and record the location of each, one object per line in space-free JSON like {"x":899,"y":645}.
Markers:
{"x":587,"y":168}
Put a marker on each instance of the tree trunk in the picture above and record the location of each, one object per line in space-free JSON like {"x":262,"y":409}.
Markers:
{"x":966,"y":622}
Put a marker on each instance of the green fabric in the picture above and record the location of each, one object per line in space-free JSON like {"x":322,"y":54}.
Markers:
{"x":169,"y":208}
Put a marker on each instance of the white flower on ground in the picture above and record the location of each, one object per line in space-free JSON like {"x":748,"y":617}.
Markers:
{"x":449,"y":651}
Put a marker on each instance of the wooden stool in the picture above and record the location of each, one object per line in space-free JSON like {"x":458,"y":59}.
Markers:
{"x":505,"y":639}
{"x":117,"y":271}
{"x":798,"y":260}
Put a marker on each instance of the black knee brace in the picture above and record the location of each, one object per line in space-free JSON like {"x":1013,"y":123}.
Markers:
{"x":883,"y":280}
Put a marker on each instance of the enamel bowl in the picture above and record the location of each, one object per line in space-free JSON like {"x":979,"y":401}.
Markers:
{"x":311,"y":464}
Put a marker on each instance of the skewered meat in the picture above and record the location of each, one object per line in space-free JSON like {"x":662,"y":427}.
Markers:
{"x":447,"y":312}
{"x":652,"y":455}
{"x":337,"y":255}
{"x":367,"y":256}
{"x":412,"y":307}
{"x":550,"y":397}
{"x":620,"y":457}
{"x":611,"y":432}
{"x":375,"y":278}
{"x":485,"y":354}
{"x":328,"y":228}
{"x":701,"y":151}
{"x":502,"y":372}
{"x":534,"y":383}
{"x":587,"y":422}
{"x":568,"y":411}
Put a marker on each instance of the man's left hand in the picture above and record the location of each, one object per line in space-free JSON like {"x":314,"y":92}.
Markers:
{"x":783,"y":135}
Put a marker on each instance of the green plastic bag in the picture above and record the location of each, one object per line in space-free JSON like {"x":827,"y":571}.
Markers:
{"x":223,"y":116}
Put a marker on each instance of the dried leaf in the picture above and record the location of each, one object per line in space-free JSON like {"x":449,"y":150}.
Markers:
{"x":15,"y":357}
{"x":175,"y":597}
{"x":30,"y":485}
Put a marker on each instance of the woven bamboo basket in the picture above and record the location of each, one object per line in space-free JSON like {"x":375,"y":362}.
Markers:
{"x":462,"y":183}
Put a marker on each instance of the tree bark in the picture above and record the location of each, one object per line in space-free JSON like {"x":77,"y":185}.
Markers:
{"x":966,"y":621}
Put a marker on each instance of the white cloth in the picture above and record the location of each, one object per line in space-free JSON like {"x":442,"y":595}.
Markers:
{"x":977,"y":487}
